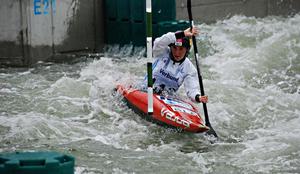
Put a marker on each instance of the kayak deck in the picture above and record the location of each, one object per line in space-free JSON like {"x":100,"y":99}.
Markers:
{"x":174,"y":113}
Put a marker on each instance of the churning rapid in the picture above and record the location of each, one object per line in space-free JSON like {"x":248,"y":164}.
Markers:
{"x":251,"y":71}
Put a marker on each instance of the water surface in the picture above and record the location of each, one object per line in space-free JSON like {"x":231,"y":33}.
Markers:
{"x":251,"y":71}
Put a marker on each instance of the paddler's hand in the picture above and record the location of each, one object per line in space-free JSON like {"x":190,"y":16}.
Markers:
{"x":203,"y":99}
{"x":188,"y":32}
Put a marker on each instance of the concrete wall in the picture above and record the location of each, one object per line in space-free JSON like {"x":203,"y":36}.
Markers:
{"x":209,"y":11}
{"x":11,"y":33}
{"x":36,"y":30}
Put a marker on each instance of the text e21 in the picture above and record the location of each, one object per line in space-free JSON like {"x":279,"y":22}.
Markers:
{"x":44,"y":6}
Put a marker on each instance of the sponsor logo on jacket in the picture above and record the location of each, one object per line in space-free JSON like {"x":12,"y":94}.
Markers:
{"x":167,"y":75}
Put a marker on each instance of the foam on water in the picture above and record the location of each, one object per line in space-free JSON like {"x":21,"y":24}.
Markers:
{"x":251,"y":73}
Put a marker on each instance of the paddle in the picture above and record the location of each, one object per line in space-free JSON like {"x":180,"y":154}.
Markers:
{"x":207,"y":123}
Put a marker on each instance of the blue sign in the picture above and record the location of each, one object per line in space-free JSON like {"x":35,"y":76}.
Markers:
{"x":44,"y":6}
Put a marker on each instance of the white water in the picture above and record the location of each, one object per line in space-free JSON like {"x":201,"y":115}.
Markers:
{"x":251,"y":71}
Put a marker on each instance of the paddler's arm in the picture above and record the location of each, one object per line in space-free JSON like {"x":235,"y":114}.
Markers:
{"x":161,"y":44}
{"x":191,"y":85}
{"x":201,"y":99}
{"x":192,"y":91}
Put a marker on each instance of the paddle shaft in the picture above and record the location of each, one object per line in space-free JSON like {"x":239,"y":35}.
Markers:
{"x":207,"y":123}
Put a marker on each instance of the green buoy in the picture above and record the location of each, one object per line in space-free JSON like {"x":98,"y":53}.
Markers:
{"x":36,"y":163}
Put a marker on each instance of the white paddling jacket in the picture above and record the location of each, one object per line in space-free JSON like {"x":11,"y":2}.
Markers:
{"x":169,"y":75}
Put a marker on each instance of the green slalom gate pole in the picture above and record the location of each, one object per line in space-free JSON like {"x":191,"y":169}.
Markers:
{"x":149,"y":55}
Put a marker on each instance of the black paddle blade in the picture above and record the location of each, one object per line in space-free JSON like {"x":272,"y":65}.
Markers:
{"x":211,"y":131}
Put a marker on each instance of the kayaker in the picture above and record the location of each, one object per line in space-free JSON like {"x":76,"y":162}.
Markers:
{"x":172,"y":68}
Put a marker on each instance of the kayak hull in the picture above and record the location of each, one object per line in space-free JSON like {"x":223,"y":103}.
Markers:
{"x":174,"y":113}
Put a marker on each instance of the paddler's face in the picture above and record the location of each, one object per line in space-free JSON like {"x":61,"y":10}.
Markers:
{"x":178,"y":52}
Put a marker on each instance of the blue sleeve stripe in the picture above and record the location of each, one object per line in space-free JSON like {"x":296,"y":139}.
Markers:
{"x":154,"y":64}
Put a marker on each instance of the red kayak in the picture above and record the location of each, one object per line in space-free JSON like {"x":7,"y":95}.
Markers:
{"x":171,"y":112}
